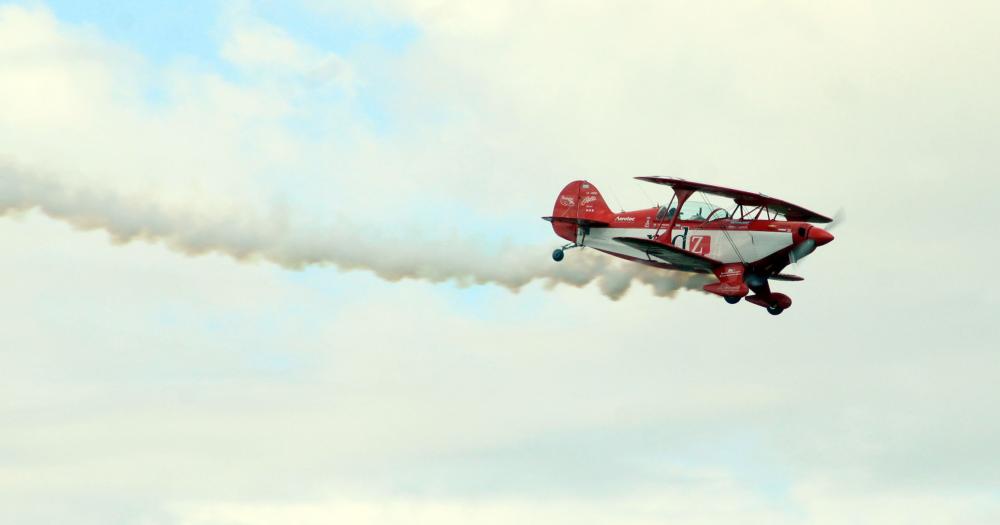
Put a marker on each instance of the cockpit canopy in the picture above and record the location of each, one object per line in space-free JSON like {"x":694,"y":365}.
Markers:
{"x":693,"y":211}
{"x":699,"y":211}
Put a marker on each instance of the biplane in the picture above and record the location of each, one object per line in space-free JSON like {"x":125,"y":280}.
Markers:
{"x":745,"y":246}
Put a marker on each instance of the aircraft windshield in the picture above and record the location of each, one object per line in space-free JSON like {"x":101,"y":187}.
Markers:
{"x":699,"y":211}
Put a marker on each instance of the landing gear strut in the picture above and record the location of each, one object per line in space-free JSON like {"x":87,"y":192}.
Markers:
{"x":559,"y":253}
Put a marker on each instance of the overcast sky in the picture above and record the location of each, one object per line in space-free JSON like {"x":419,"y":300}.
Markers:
{"x":281,"y":262}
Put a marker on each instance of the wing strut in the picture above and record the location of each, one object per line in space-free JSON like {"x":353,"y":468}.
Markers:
{"x":682,"y":195}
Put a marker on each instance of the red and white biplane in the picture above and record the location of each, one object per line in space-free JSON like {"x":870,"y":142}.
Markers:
{"x":745,"y":247}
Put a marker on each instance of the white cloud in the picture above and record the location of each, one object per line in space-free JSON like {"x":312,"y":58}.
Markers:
{"x":145,"y":387}
{"x":706,"y":499}
{"x":720,"y":501}
{"x":259,"y":46}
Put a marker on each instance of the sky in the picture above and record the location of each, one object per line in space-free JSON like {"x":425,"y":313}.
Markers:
{"x":281,"y":262}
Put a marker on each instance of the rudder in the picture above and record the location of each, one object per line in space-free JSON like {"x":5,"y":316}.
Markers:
{"x":580,"y":202}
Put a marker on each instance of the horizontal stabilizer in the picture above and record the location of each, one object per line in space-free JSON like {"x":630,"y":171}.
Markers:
{"x":785,"y":277}
{"x":579,"y":222}
{"x":670,"y":254}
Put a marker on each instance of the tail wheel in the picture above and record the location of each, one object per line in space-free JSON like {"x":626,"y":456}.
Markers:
{"x":558,"y":255}
{"x":775,"y":309}
{"x":733,"y":299}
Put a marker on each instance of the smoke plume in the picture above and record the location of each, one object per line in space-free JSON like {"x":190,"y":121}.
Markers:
{"x":249,"y":238}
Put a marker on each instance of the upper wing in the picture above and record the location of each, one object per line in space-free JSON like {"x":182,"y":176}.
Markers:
{"x":671,"y":254}
{"x":745,"y":198}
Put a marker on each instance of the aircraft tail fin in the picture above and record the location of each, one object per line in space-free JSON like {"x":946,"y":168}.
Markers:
{"x":581,"y":200}
{"x":579,"y":204}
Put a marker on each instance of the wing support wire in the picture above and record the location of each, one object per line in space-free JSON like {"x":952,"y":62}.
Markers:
{"x":725,"y":231}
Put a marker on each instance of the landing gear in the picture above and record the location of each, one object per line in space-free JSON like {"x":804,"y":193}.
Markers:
{"x":733,"y":299}
{"x":775,"y":303}
{"x":559,"y":253}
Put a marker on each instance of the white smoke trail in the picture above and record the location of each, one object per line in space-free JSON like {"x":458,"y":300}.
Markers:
{"x":246,"y":238}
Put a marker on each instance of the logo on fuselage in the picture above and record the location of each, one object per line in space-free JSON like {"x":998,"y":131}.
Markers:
{"x":700,"y":244}
{"x":683,"y":237}
{"x":625,"y":219}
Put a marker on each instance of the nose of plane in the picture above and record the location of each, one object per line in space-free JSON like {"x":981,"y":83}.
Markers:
{"x":820,"y":235}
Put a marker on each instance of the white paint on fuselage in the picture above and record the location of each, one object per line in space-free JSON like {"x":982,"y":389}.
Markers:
{"x":752,"y":245}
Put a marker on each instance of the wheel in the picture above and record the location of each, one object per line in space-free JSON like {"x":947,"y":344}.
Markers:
{"x":733,"y":299}
{"x":775,"y":309}
{"x":558,"y":255}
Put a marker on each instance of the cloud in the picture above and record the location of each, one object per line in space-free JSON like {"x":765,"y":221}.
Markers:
{"x":718,"y":501}
{"x":257,"y":46}
{"x":205,"y":390}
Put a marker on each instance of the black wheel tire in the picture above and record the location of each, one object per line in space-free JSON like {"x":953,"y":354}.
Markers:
{"x":558,"y":255}
{"x":775,"y":310}
{"x":733,"y":299}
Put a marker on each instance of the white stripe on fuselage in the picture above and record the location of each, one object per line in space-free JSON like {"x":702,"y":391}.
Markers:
{"x":752,"y":245}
